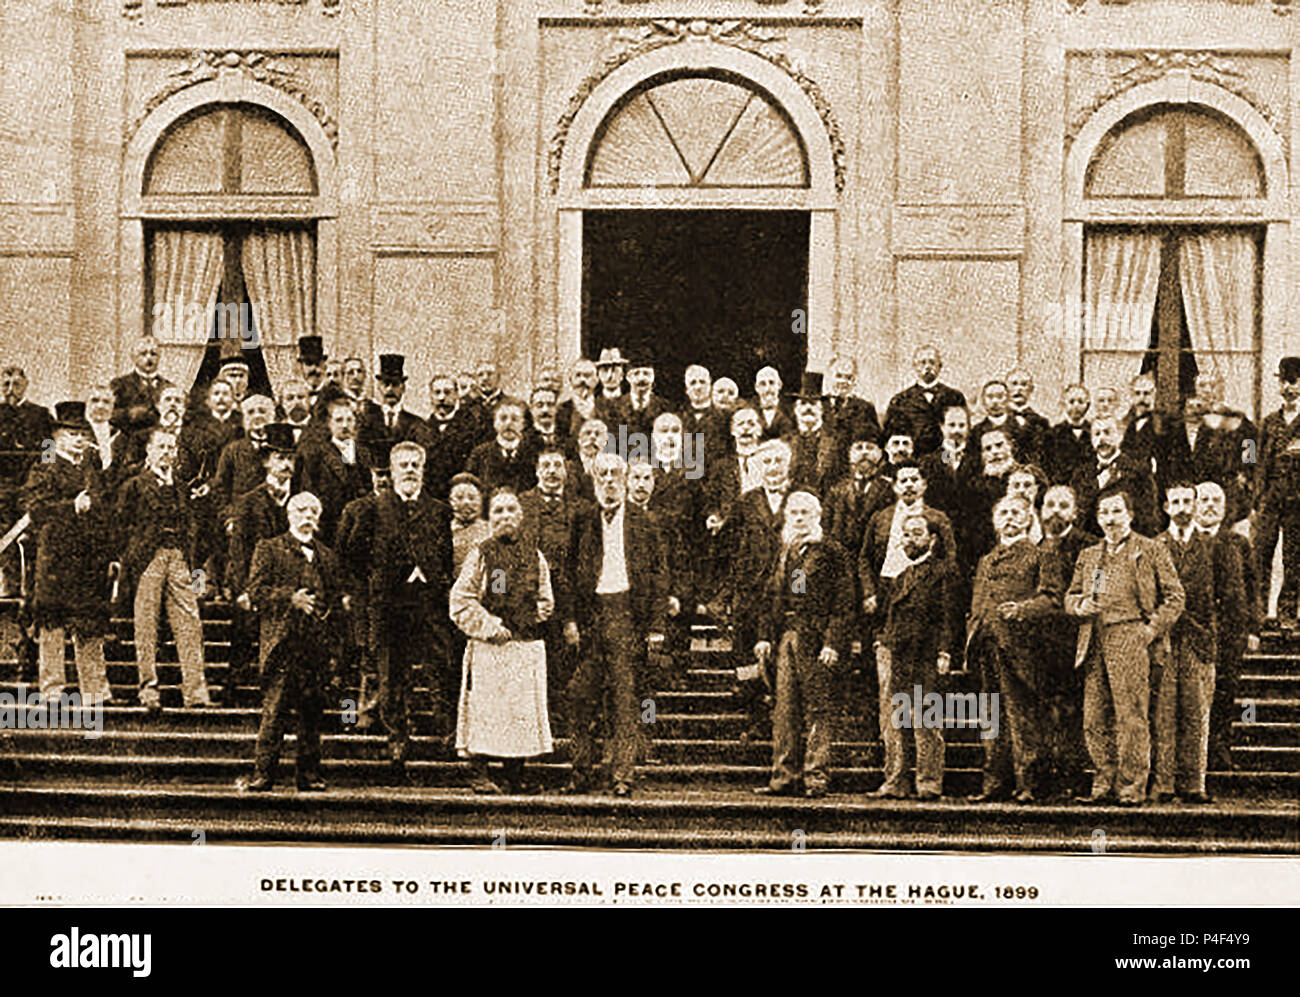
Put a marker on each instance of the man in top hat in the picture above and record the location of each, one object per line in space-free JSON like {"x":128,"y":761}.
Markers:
{"x":311,"y":368}
{"x":920,"y":406}
{"x":72,"y":519}
{"x":818,"y":461}
{"x":1278,"y":490}
{"x":386,"y":422}
{"x":258,"y":515}
{"x":846,"y":415}
{"x":638,"y":409}
{"x":610,"y":368}
{"x":135,"y":395}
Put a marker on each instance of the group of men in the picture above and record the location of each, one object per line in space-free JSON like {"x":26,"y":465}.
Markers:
{"x":1087,"y":571}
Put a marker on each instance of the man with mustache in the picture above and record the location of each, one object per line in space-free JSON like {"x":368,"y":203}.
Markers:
{"x":1185,"y":688}
{"x":1277,"y":487}
{"x":296,"y":585}
{"x":508,"y":460}
{"x":135,"y":395}
{"x":449,"y":433}
{"x":1028,"y":428}
{"x":581,"y":403}
{"x":386,"y":422}
{"x":1127,"y":593}
{"x":774,"y":413}
{"x":1115,"y":468}
{"x":334,"y":468}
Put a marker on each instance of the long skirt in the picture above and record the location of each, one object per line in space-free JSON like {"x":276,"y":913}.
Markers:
{"x":503,"y":700}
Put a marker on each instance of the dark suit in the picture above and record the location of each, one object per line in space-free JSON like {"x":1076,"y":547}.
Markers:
{"x":922,"y":621}
{"x":1006,"y":651}
{"x":198,"y":451}
{"x":1062,"y":682}
{"x":637,"y":420}
{"x":817,"y":461}
{"x":613,"y":630}
{"x":135,"y":400}
{"x":1129,"y":474}
{"x":320,"y":469}
{"x":849,"y":506}
{"x":911,"y":411}
{"x":714,"y":425}
{"x":447,"y":447}
{"x":374,"y":434}
{"x":781,"y":419}
{"x":1212,"y":459}
{"x":409,"y":621}
{"x":809,"y":606}
{"x":1144,"y":439}
{"x":1277,"y":491}
{"x":953,"y":491}
{"x":1184,"y":691}
{"x":257,"y":517}
{"x":489,"y":463}
{"x":25,"y":426}
{"x":850,"y":418}
{"x":295,"y":646}
{"x":875,"y":547}
{"x":548,"y":524}
{"x":1066,"y":452}
{"x":240,"y":469}
{"x":1029,"y":431}
{"x":1239,"y":615}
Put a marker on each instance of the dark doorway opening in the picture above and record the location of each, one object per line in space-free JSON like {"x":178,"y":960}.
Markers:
{"x":728,"y":289}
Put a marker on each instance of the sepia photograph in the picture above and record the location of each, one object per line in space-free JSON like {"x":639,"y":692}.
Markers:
{"x":649,"y":452}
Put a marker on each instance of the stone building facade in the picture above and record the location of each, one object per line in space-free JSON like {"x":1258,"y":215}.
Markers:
{"x":1071,"y":185}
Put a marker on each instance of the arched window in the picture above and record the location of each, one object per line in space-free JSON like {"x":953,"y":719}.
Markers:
{"x":1176,"y":295}
{"x":230,"y":245}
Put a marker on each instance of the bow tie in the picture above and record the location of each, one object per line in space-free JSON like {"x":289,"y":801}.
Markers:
{"x":609,"y":514}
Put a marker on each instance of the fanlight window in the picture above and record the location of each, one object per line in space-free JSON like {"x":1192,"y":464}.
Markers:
{"x":697,"y":132}
{"x":1167,"y":152}
{"x":231,"y":149}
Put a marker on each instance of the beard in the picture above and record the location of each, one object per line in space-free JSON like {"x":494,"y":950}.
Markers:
{"x":1055,"y":524}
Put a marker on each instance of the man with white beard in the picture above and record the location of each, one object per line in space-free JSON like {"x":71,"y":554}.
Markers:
{"x":804,"y":626}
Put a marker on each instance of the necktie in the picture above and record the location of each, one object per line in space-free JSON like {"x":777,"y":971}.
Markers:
{"x":390,"y":417}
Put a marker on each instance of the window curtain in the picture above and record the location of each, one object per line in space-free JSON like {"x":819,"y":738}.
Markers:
{"x":187,"y":271}
{"x":280,"y":277}
{"x":1217,"y":274}
{"x":1120,"y":297}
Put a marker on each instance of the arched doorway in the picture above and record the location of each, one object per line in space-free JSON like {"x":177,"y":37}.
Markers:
{"x":697,"y":218}
{"x":1175,"y":202}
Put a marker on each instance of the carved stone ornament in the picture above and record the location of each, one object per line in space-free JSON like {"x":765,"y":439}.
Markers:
{"x":1280,"y":7}
{"x":259,"y":66}
{"x":1147,"y":67}
{"x":133,"y":10}
{"x":634,"y":40}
